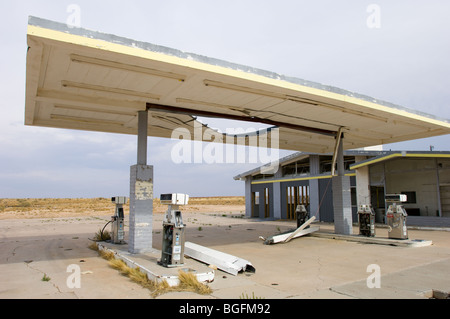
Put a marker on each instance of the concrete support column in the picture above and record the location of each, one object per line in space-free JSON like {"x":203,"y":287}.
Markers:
{"x":142,"y":137}
{"x":438,"y":189}
{"x":362,"y":183}
{"x":141,"y":195}
{"x":314,"y":197}
{"x":248,"y":196}
{"x":342,"y":202}
{"x":277,"y":202}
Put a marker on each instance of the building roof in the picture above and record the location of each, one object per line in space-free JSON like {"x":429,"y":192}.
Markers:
{"x":88,"y":80}
{"x":374,"y":157}
{"x":397,"y":154}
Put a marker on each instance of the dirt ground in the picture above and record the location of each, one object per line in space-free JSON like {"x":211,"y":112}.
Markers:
{"x":11,"y":208}
{"x":37,"y":253}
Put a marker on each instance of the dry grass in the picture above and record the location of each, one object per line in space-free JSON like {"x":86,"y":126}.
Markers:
{"x":54,"y":207}
{"x":188,"y":281}
{"x":81,"y":207}
{"x":102,"y":236}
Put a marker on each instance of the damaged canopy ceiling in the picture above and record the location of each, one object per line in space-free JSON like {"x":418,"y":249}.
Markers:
{"x":86,"y":80}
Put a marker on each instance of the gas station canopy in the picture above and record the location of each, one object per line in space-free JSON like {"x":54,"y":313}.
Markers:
{"x":87,"y":80}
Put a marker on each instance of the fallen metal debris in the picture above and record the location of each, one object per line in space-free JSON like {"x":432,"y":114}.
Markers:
{"x":287,"y":236}
{"x":225,"y":262}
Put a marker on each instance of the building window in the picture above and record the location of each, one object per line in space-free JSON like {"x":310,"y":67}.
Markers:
{"x":262,"y":176}
{"x":300,"y":167}
{"x":256,"y":201}
{"x":326,"y":161}
{"x":296,"y":195}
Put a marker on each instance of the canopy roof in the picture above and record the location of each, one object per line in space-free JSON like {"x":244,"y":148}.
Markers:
{"x":87,"y":80}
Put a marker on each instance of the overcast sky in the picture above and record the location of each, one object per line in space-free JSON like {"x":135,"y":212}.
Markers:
{"x":397,"y":51}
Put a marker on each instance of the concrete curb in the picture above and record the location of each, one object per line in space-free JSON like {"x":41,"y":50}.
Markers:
{"x":147,"y":263}
{"x":375,"y":240}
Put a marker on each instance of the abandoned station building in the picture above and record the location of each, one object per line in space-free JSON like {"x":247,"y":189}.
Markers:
{"x":305,"y":178}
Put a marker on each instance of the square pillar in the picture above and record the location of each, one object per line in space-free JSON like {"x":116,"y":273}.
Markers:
{"x":362,"y":183}
{"x":314,"y":196}
{"x":141,"y":209}
{"x":141,"y":194}
{"x":342,"y":201}
{"x":342,"y":205}
{"x":277,"y":202}
{"x":142,"y":137}
{"x":248,"y":196}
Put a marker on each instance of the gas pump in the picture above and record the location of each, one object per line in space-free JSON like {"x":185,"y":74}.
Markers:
{"x":366,"y":218}
{"x":396,"y":216}
{"x":172,"y":253}
{"x":117,"y":221}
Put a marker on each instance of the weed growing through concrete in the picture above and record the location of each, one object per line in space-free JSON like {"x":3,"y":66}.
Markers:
{"x":188,"y":281}
{"x":246,"y":296}
{"x":45,"y":278}
{"x":102,"y":235}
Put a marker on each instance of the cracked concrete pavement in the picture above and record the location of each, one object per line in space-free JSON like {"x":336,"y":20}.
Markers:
{"x":306,"y":267}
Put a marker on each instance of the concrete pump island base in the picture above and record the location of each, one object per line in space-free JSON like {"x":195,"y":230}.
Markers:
{"x":376,"y":240}
{"x":161,"y":265}
{"x":174,"y":248}
{"x":148,"y":264}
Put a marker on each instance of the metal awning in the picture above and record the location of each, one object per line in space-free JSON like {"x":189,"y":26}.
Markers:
{"x":87,"y":80}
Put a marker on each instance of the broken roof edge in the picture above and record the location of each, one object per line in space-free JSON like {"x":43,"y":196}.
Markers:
{"x":63,"y":27}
